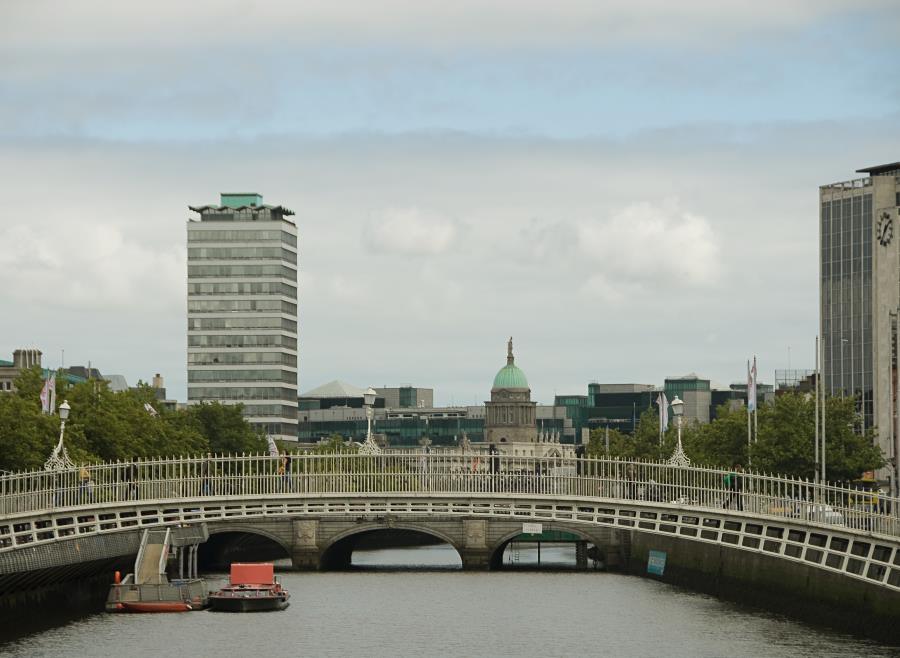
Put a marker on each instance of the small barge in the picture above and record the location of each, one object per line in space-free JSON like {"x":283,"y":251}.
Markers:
{"x":251,"y":588}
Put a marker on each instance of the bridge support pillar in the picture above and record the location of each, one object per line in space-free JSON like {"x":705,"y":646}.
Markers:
{"x":581,"y":555}
{"x":475,"y":554}
{"x":305,"y":552}
{"x":475,"y":560}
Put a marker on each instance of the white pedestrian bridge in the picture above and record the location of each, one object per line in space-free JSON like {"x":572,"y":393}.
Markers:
{"x":831,"y":541}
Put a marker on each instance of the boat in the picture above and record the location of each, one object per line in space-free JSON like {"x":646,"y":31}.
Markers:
{"x":149,"y":588}
{"x":252,"y":587}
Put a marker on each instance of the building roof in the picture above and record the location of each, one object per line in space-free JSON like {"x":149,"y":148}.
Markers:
{"x":691,"y":376}
{"x":879,"y":169}
{"x":117,"y":383}
{"x":335,"y":389}
{"x":201,"y":209}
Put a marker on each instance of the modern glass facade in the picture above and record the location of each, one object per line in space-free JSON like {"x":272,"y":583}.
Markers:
{"x":242,"y":310}
{"x":859,"y":283}
{"x":846,"y":282}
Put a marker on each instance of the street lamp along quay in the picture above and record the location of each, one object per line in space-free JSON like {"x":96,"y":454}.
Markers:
{"x":369,"y":447}
{"x":59,"y":458}
{"x":678,"y":457}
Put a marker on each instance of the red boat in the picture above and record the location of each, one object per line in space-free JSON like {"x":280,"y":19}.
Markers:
{"x":161,"y":606}
{"x":251,"y":588}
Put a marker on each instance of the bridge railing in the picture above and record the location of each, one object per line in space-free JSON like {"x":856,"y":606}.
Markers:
{"x":413,"y":473}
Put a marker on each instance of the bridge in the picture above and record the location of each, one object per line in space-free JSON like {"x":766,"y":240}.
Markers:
{"x":812,"y":542}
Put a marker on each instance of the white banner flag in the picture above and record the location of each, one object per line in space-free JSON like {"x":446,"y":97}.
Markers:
{"x":45,"y":396}
{"x":663,"y":412}
{"x":751,"y":386}
{"x":52,"y":394}
{"x":273,"y":449}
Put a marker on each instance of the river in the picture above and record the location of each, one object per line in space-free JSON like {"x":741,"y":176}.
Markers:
{"x":387,"y":608}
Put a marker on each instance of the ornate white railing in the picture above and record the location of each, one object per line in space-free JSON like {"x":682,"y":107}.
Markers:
{"x":451,"y":474}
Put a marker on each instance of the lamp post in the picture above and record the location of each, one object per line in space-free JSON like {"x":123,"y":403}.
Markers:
{"x":678,"y":457}
{"x":843,"y":340}
{"x":369,"y":447}
{"x":59,"y":458}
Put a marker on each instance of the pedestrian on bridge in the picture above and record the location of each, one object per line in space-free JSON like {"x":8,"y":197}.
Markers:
{"x":734,"y":483}
{"x":130,"y":476}
{"x":285,"y":471}
{"x":86,"y":488}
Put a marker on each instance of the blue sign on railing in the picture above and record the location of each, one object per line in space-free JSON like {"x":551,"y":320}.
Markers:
{"x":656,"y":563}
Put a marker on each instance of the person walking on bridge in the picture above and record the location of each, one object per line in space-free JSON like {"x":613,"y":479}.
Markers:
{"x":734,"y":483}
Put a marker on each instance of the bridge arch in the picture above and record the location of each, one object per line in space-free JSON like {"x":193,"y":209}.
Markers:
{"x":495,"y":561}
{"x":240,"y":543}
{"x":336,"y":554}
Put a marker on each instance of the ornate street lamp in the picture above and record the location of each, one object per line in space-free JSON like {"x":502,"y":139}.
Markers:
{"x":59,"y":458}
{"x":678,"y":457}
{"x":369,"y":447}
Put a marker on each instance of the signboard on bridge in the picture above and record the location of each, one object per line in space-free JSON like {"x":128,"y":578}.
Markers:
{"x":532,"y":528}
{"x":656,"y":563}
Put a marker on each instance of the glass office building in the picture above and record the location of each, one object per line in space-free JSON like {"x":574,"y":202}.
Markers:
{"x":242,"y":310}
{"x":860,"y":292}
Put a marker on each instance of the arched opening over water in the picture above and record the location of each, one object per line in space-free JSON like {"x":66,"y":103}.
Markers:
{"x":548,"y":549}
{"x":223,"y":548}
{"x":391,"y":548}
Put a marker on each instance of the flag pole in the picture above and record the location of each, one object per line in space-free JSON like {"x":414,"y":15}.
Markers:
{"x":755,"y":403}
{"x":816,"y":466}
{"x":749,"y":431}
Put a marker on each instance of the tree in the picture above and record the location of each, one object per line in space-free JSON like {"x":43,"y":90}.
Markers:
{"x":643,"y":444}
{"x":225,"y":429}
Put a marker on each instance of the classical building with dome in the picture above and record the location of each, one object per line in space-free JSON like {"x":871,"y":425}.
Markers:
{"x":510,"y":416}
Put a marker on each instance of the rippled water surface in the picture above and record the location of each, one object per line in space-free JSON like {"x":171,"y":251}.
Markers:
{"x":384,"y":611}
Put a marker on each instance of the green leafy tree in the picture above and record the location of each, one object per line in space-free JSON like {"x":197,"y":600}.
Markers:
{"x":643,"y":444}
{"x":225,"y":428}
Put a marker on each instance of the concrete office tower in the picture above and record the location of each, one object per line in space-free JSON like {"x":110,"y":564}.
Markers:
{"x":242,"y":310}
{"x":860,"y":292}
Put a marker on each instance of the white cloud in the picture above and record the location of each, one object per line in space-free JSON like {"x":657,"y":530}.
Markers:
{"x":650,"y":244}
{"x":89,"y":265}
{"x":410,"y":231}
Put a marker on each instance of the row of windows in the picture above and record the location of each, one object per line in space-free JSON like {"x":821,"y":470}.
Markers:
{"x":241,"y":305}
{"x":275,"y":429}
{"x":285,"y":376}
{"x":242,"y":253}
{"x":237,"y":340}
{"x":207,"y":324}
{"x":280,"y":410}
{"x":238,"y":358}
{"x":249,"y":235}
{"x":283,"y":271}
{"x":242,"y":393}
{"x":843,"y":269}
{"x":243,"y":288}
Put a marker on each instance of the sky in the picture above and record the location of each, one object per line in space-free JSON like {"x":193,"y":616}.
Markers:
{"x":628,"y":188}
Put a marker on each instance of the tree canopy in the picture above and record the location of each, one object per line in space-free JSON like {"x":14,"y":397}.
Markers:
{"x":785,"y":443}
{"x":106,"y":425}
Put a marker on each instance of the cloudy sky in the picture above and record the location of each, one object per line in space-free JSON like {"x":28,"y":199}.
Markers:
{"x":627,"y":187}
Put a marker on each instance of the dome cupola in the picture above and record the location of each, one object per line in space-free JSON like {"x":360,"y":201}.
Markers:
{"x":510,"y":375}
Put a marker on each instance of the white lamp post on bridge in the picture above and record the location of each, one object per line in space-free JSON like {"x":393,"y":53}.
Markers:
{"x":678,"y":457}
{"x":59,"y":458}
{"x":369,"y":447}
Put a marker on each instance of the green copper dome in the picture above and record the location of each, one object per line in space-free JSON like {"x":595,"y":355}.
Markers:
{"x":510,"y":376}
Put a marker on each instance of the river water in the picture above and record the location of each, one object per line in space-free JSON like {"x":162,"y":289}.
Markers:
{"x":384,"y":608}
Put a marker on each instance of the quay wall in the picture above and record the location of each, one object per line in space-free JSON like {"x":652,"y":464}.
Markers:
{"x":772,"y":584}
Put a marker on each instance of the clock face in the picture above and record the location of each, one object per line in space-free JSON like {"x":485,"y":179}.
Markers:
{"x":885,"y":229}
